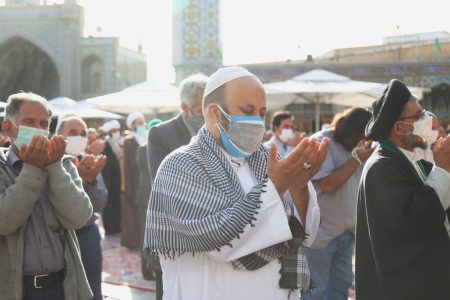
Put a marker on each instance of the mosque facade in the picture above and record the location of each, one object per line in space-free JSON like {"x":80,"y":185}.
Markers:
{"x":196,"y":37}
{"x":421,"y":60}
{"x":42,"y":49}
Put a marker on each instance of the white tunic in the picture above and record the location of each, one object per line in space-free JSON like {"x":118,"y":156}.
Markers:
{"x":210,"y":276}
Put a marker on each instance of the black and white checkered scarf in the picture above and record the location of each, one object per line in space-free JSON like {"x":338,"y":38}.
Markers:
{"x":197,"y":205}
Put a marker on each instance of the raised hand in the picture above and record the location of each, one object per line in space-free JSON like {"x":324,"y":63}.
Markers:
{"x":320,"y":156}
{"x":96,"y":147}
{"x":56,"y":149}
{"x":296,"y":169}
{"x":90,"y":166}
{"x":441,"y":153}
{"x":299,"y":136}
{"x":364,"y":151}
{"x":36,"y":152}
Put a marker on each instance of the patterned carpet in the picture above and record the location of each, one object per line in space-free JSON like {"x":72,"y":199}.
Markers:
{"x":123,"y":267}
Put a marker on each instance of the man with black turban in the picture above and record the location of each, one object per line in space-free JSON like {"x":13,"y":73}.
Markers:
{"x":402,"y":244}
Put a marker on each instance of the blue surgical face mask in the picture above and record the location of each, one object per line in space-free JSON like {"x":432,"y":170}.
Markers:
{"x":244,"y":135}
{"x":26,"y":134}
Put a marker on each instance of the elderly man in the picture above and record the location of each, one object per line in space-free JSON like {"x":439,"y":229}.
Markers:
{"x":174,"y":133}
{"x":402,"y":245}
{"x":112,"y":175}
{"x":41,"y":203}
{"x":74,"y":130}
{"x":225,"y":215}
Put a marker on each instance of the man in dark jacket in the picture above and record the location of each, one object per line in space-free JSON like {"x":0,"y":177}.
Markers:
{"x":174,"y":133}
{"x":112,"y":175}
{"x":402,"y":243}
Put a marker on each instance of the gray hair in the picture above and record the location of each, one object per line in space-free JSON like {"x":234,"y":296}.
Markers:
{"x":66,"y":118}
{"x":15,"y":101}
{"x":217,"y":96}
{"x":190,"y":86}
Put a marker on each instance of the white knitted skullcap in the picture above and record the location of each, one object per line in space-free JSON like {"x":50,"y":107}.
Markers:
{"x":224,"y":75}
{"x":133,"y":117}
{"x":108,"y":126}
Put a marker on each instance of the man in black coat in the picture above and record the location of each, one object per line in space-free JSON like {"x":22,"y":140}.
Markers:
{"x":111,"y":173}
{"x":402,"y":238}
{"x":174,"y":133}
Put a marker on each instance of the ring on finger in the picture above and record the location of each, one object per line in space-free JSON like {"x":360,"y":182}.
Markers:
{"x":306,"y":166}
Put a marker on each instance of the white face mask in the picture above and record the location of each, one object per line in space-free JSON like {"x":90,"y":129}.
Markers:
{"x":286,"y":135}
{"x":432,"y":137}
{"x":75,"y":145}
{"x":423,"y":126}
{"x":115,"y":136}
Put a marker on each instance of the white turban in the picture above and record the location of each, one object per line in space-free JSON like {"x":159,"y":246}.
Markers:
{"x":224,"y":75}
{"x":133,"y":117}
{"x":108,"y":126}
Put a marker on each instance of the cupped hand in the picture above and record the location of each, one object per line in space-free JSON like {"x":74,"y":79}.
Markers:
{"x":90,"y":166}
{"x":441,"y":153}
{"x":299,"y":136}
{"x":56,"y":149}
{"x":296,"y":169}
{"x":36,"y":152}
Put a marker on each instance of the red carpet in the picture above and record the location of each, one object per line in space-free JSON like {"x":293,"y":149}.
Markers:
{"x":123,"y":267}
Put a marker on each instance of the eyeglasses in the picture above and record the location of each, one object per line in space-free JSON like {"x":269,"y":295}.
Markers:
{"x":417,"y":116}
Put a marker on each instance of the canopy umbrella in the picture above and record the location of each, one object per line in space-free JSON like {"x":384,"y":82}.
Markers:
{"x":368,"y":97}
{"x":321,"y":87}
{"x":62,"y":105}
{"x":146,"y":97}
{"x":415,"y":90}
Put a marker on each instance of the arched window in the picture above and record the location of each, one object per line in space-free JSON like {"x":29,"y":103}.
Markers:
{"x":26,"y":67}
{"x":91,"y":75}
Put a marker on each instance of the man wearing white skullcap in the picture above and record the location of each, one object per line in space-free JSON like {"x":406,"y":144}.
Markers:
{"x":130,"y":210}
{"x":108,"y":126}
{"x":134,"y":120}
{"x":112,"y":173}
{"x":174,"y":133}
{"x":227,"y":218}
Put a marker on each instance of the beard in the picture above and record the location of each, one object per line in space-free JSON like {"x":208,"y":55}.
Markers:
{"x":412,"y":141}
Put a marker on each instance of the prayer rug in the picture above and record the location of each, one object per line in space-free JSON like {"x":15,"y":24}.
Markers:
{"x":123,"y":267}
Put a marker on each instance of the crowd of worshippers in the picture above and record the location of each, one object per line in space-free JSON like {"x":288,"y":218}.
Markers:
{"x":222,"y":207}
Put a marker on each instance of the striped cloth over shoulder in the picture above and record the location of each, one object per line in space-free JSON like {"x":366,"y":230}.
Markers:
{"x":197,"y":205}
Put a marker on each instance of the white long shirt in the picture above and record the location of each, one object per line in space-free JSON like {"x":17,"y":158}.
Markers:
{"x":210,"y":276}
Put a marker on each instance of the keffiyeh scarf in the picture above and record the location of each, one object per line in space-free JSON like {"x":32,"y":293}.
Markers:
{"x":197,"y":205}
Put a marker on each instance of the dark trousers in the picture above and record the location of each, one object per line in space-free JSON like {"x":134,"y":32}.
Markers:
{"x":159,"y":285}
{"x":91,"y":254}
{"x":53,"y":293}
{"x":112,"y":214}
